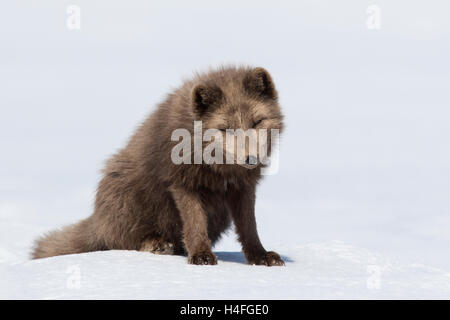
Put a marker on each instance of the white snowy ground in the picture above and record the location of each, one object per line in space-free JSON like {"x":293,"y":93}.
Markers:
{"x":331,"y":270}
{"x":364,"y":158}
{"x":323,"y":270}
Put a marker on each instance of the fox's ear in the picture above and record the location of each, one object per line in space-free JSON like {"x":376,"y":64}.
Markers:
{"x":205,"y":98}
{"x":259,"y":82}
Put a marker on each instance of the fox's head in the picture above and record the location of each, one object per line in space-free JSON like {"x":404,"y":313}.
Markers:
{"x":237,"y":109}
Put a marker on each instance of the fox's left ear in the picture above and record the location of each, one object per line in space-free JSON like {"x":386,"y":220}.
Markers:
{"x":259,"y":82}
{"x":206,"y":98}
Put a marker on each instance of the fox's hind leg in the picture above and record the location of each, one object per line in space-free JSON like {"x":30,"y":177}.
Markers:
{"x":158,"y":246}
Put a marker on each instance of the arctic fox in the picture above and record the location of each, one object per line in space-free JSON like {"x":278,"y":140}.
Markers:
{"x":145,"y":201}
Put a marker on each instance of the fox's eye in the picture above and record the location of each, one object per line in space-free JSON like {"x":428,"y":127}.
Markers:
{"x":257,"y":122}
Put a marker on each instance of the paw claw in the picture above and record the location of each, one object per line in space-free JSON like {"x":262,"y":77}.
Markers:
{"x":158,"y":246}
{"x":203,"y":258}
{"x":269,"y":259}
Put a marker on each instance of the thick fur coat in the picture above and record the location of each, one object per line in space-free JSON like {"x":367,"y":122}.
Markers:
{"x":146,"y":202}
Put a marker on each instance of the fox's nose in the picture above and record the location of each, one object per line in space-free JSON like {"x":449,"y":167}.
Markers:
{"x":252,"y":160}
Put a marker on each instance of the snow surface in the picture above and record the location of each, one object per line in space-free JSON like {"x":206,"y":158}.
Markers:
{"x":364,"y":158}
{"x":321,"y":270}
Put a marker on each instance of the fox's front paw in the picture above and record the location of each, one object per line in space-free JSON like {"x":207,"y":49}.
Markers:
{"x":270,"y":258}
{"x":203,"y":258}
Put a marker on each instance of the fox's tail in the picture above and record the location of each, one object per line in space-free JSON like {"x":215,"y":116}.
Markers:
{"x":75,"y":238}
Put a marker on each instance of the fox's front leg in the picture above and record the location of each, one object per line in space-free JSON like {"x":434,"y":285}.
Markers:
{"x":195,"y":227}
{"x":242,"y":205}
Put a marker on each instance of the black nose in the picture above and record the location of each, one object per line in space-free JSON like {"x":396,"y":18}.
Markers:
{"x":251,"y":160}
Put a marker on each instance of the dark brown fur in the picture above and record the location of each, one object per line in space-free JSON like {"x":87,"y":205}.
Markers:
{"x":146,"y":202}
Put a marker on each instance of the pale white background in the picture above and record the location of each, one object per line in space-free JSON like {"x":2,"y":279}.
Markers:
{"x":365,"y":156}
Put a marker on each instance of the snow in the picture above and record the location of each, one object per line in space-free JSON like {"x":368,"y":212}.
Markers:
{"x":364,"y":159}
{"x":321,"y":270}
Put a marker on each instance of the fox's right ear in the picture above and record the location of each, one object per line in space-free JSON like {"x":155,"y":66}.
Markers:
{"x":259,"y":82}
{"x":205,"y":98}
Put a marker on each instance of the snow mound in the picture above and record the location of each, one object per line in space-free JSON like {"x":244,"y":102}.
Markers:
{"x":317,"y":270}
